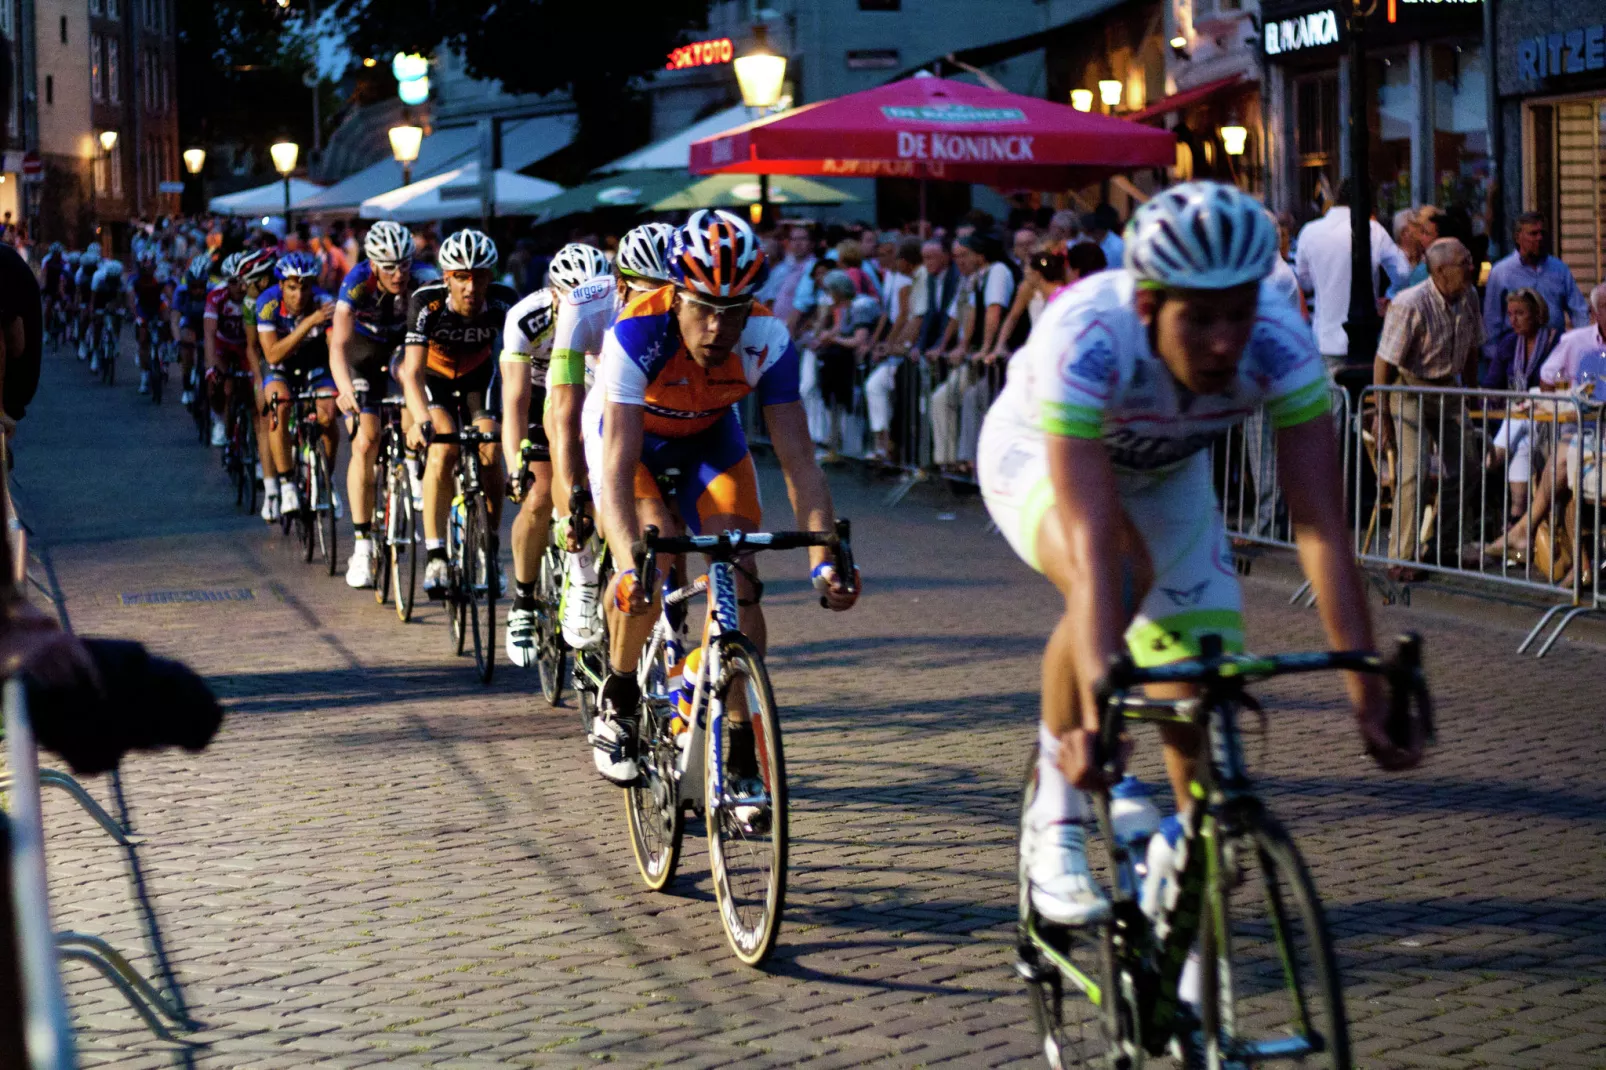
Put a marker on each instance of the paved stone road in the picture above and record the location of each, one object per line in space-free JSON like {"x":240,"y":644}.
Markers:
{"x":378,"y":862}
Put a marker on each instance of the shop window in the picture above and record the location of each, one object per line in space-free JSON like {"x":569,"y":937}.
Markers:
{"x":1566,"y":180}
{"x":50,"y":89}
{"x":1388,"y":121}
{"x":1461,"y":162}
{"x":97,"y":70}
{"x":1316,"y":138}
{"x":114,"y":87}
{"x":96,"y":7}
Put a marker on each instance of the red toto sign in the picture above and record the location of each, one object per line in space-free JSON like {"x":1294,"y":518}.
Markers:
{"x":701,"y":54}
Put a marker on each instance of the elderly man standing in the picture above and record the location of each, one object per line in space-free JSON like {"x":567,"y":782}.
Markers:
{"x":1530,"y":267}
{"x":787,"y":291}
{"x":1431,"y":338}
{"x":1322,"y":264}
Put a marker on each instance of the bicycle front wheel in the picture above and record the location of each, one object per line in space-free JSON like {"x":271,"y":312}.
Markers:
{"x":379,"y":525}
{"x":1070,"y":972}
{"x":480,"y":590}
{"x":328,"y":527}
{"x":1275,"y":991}
{"x":306,"y":518}
{"x":747,"y":816}
{"x":550,"y":653}
{"x":657,"y":821}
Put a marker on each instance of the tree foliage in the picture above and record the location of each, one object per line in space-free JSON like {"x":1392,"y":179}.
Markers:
{"x":595,"y":51}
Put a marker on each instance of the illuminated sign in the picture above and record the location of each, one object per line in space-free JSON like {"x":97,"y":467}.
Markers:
{"x":701,"y":54}
{"x":1301,"y":32}
{"x":1570,"y":52}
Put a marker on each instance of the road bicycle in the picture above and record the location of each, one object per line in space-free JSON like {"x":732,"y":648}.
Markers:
{"x":584,"y":668}
{"x":315,"y":522}
{"x":395,"y":523}
{"x":108,"y":325}
{"x":471,"y":553}
{"x":683,"y":752}
{"x":1239,"y":912}
{"x":240,"y":443}
{"x":163,"y":352}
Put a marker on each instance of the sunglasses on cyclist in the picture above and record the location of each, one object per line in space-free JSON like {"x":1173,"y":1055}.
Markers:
{"x":726,"y":309}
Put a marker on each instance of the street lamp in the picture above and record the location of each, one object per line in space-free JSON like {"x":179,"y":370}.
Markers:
{"x":194,"y":160}
{"x":1082,"y":99}
{"x":761,"y":74}
{"x":1233,"y":139}
{"x":404,"y":144}
{"x":108,"y":140}
{"x":1110,"y":92}
{"x":284,"y":155}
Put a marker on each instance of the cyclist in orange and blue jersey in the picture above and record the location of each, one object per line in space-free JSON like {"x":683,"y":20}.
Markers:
{"x":672,"y":369}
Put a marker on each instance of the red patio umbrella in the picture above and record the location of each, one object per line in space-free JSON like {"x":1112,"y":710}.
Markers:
{"x":926,"y":127}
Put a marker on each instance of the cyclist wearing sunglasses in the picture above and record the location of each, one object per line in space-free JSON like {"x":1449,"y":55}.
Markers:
{"x":673,"y":367}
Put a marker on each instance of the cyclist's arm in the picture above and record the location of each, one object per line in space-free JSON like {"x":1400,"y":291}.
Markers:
{"x":564,"y":403}
{"x":275,"y":349}
{"x":515,"y":408}
{"x":810,"y":494}
{"x":1091,"y":517}
{"x":1023,"y":297}
{"x":622,"y":433}
{"x":412,"y":382}
{"x":339,"y":335}
{"x":253,"y":352}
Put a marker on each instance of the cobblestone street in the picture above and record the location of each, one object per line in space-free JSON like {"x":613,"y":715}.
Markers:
{"x":379,"y":862}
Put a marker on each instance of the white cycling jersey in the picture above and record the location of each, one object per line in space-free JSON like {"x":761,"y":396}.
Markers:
{"x":1087,"y":372}
{"x":559,"y":334}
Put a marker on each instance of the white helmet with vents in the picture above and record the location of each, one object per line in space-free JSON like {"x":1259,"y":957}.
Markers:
{"x":1201,"y":236}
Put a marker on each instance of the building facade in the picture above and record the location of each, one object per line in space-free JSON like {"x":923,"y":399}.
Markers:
{"x":99,"y":66}
{"x":1552,"y":86}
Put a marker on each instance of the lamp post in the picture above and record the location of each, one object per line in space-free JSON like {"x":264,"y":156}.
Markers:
{"x":404,"y":143}
{"x":1363,"y":324}
{"x":1110,"y":93}
{"x":761,"y":74}
{"x":284,"y":155}
{"x":108,"y":142}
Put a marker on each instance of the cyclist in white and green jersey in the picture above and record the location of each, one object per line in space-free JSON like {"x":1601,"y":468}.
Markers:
{"x":1094,"y":463}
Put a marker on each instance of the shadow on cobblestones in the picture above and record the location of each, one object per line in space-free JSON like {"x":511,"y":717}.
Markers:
{"x":1353,"y":796}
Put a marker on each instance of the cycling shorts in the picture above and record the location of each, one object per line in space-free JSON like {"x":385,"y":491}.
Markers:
{"x":474,"y":390}
{"x":298,"y":378}
{"x":231,"y":356}
{"x":372,"y":362}
{"x":1195,"y":590}
{"x":715,"y":473}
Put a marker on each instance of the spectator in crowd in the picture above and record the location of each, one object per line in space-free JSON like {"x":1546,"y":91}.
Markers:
{"x":518,"y":266}
{"x":1047,"y":273}
{"x":1025,"y":244}
{"x":1322,"y":265}
{"x":1101,"y":226}
{"x":1427,"y":229}
{"x":1431,"y":337}
{"x":840,"y":348}
{"x":1408,"y":236}
{"x":975,"y":317}
{"x":1561,"y":367}
{"x":850,"y":258}
{"x":1064,"y":229}
{"x":901,"y":326}
{"x":933,"y":290}
{"x":1282,"y":278}
{"x":1529,"y":266}
{"x":1518,"y":359}
{"x":789,"y":290}
{"x":813,"y":321}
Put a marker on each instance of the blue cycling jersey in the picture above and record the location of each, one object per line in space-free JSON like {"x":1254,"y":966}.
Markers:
{"x":376,"y":314}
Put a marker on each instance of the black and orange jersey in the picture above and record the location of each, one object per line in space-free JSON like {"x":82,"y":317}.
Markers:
{"x":456,"y":345}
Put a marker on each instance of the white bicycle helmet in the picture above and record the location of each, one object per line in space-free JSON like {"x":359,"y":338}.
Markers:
{"x":467,"y":250}
{"x":641,"y":252}
{"x":1201,"y":236}
{"x":574,"y":264}
{"x":388,"y":243}
{"x":200,"y":269}
{"x":716,"y":253}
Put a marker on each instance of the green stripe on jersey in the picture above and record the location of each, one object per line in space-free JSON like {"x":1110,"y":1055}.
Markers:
{"x":1072,"y":421}
{"x":1303,"y":405}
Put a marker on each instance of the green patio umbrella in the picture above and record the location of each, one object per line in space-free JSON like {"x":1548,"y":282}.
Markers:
{"x":739,"y":191}
{"x":637,"y":189}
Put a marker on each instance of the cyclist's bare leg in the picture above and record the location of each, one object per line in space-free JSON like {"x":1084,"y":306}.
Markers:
{"x":531,"y":525}
{"x":360,"y":469}
{"x":438,"y":471}
{"x":142,"y":341}
{"x":491,"y":474}
{"x":186,"y":352}
{"x":326,"y":414}
{"x":277,"y":425}
{"x":264,"y":432}
{"x":627,"y":634}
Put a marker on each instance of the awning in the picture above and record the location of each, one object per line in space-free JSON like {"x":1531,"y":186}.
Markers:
{"x":671,"y":190}
{"x":675,"y":151}
{"x":523,"y":143}
{"x":263,"y":200}
{"x":1186,"y":98}
{"x":455,"y":194}
{"x":739,"y":191}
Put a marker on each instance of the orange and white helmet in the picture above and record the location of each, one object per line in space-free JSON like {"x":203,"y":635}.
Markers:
{"x":716,"y":253}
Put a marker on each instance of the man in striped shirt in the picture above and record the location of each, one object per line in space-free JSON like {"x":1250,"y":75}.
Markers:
{"x":1431,"y":337}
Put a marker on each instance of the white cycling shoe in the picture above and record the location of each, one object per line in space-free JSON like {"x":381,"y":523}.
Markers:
{"x":436,"y":578}
{"x":187,"y":398}
{"x":521,"y":637}
{"x":144,"y":382}
{"x":220,"y":434}
{"x":360,"y":568}
{"x":270,"y":508}
{"x":1064,"y":891}
{"x":289,"y":498}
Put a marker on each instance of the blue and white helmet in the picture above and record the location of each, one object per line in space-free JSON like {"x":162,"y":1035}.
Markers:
{"x":1201,"y":236}
{"x":642,"y":251}
{"x":298,"y":265}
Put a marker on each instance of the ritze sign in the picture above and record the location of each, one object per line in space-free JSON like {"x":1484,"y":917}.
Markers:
{"x":965,"y":148}
{"x":1301,"y":32}
{"x":701,"y":54}
{"x":1570,"y":52}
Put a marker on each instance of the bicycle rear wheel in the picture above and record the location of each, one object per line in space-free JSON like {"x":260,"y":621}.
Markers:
{"x":657,"y":822}
{"x":401,"y":537}
{"x":328,"y":526}
{"x":480,"y":591}
{"x":551,"y":656}
{"x":1276,"y":991}
{"x":379,"y":528}
{"x":747,"y":832}
{"x":1069,"y":972}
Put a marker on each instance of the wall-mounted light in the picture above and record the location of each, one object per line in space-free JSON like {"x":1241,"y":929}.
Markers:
{"x":760,"y":74}
{"x":1110,"y":92}
{"x":1179,"y":45}
{"x":1082,"y":99}
{"x":1233,"y":139}
{"x":108,"y":140}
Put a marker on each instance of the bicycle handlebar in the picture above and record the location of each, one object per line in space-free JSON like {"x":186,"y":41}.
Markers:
{"x":728,"y":545}
{"x":1410,"y":703}
{"x":467,"y":436}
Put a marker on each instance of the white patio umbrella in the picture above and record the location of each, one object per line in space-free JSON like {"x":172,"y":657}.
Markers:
{"x":262,"y":200}
{"x":455,"y":194}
